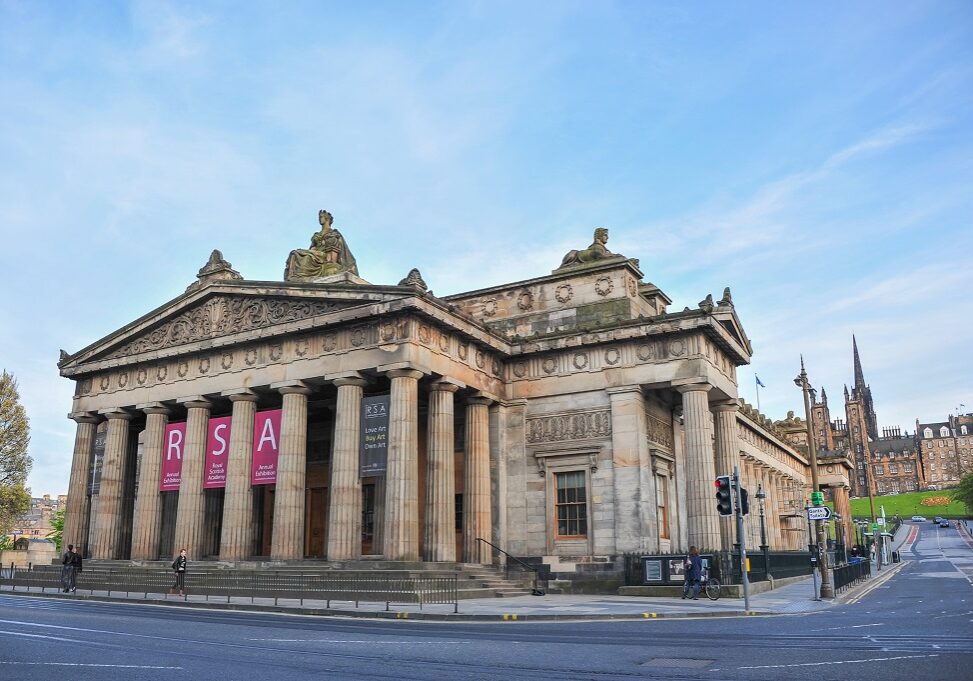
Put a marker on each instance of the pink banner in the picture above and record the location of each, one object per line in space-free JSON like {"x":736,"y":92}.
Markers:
{"x":266,"y":446}
{"x":172,"y":449}
{"x":217,"y":450}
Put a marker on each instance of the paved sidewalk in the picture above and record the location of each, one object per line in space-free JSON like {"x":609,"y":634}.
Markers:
{"x":791,"y":599}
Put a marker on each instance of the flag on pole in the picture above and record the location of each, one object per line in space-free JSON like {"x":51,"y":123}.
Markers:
{"x":759,"y":382}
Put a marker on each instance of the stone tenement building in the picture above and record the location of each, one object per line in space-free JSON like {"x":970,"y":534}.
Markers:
{"x":946,"y":447}
{"x":567,"y":419}
{"x":886,"y":463}
{"x":36,"y":523}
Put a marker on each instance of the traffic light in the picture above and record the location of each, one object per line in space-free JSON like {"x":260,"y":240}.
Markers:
{"x":744,"y":501}
{"x":724,"y":495}
{"x":817,"y":499}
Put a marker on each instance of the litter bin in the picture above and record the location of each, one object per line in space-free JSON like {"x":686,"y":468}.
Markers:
{"x":895,"y":556}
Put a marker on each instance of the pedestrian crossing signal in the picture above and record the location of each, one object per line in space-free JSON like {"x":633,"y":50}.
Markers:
{"x":724,"y":496}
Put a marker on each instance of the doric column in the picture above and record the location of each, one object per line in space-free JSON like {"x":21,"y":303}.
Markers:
{"x":703,"y":526}
{"x":402,"y":475}
{"x":728,"y":456}
{"x":776,"y":488}
{"x":147,"y":520}
{"x":190,"y":515}
{"x":236,"y":539}
{"x":634,"y":511}
{"x":477,"y":518}
{"x":107,"y":535}
{"x":439,"y":538}
{"x":288,"y":536}
{"x":77,"y":505}
{"x":344,"y":510}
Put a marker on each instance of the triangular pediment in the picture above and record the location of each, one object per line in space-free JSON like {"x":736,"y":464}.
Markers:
{"x":227,"y":310}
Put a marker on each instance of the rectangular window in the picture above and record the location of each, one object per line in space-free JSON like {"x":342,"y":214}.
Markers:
{"x":662,"y":501}
{"x":879,"y":470}
{"x":895,"y":487}
{"x":861,"y":481}
{"x":893,"y":468}
{"x":907,"y":467}
{"x":572,"y":504}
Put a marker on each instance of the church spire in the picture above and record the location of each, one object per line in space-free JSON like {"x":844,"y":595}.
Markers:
{"x":859,"y":376}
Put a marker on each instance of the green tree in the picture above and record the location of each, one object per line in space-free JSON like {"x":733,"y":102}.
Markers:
{"x":14,"y":461}
{"x":56,"y":534}
{"x":964,"y":493}
{"x":5,"y":543}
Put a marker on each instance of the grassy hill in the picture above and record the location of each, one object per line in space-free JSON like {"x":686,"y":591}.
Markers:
{"x":907,"y":505}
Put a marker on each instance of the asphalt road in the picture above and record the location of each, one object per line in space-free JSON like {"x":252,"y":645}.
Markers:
{"x":918,"y":625}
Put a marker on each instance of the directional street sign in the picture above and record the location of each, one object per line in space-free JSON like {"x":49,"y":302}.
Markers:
{"x":818,"y":513}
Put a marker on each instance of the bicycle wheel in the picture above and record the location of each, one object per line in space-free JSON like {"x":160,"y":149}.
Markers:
{"x":712,"y":589}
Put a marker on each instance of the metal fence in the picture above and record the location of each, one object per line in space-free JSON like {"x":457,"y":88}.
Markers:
{"x":853,"y":573}
{"x":338,"y":585}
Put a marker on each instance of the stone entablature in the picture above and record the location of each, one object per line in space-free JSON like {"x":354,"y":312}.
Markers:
{"x":767,"y":448}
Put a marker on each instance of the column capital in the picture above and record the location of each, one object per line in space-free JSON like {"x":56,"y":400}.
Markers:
{"x":622,"y":390}
{"x":195,"y":402}
{"x":693,"y":387}
{"x":447,"y":385}
{"x":356,"y":375}
{"x":479,"y":400}
{"x":291,"y":388}
{"x":113,"y":413}
{"x":405,"y":373}
{"x":240,"y":395}
{"x":153,"y":408}
{"x":726,"y":405}
{"x":84,"y":417}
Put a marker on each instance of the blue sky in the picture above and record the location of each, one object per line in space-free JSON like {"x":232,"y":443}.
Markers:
{"x":816,"y":157}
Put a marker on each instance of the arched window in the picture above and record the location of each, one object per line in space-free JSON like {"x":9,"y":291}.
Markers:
{"x":927,"y":433}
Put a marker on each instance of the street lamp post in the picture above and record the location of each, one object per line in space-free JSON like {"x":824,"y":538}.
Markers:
{"x":764,"y":548}
{"x":801,"y":381}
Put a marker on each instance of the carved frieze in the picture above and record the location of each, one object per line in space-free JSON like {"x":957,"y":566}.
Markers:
{"x":223,"y":316}
{"x":659,"y":432}
{"x":568,"y":427}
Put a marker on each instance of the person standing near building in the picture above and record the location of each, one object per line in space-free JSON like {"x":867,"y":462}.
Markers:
{"x":179,"y":567}
{"x":693,"y":573}
{"x":69,"y":573}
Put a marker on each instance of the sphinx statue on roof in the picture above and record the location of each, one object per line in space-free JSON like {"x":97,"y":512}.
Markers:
{"x":596,"y":251}
{"x":328,"y":255}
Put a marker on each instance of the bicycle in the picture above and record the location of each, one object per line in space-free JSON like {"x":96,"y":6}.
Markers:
{"x":710,"y":586}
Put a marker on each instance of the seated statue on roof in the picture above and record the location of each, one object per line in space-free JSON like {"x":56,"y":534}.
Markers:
{"x":596,"y":251}
{"x":328,"y":254}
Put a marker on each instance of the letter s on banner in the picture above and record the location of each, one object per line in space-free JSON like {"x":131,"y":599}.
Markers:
{"x":266,"y":447}
{"x":175,"y":442}
{"x":216,"y":447}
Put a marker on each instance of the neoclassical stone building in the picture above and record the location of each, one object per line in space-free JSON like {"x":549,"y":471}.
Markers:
{"x":571,"y":417}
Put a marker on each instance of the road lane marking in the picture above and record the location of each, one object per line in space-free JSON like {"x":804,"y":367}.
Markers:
{"x":328,"y":640}
{"x":851,"y":626}
{"x":91,"y":664}
{"x":818,"y":664}
{"x":26,"y":635}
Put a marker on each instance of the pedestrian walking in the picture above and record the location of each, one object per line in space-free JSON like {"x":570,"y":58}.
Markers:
{"x":179,"y":567}
{"x":69,"y":573}
{"x":692,"y":573}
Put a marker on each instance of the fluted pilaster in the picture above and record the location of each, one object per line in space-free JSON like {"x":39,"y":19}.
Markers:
{"x":344,"y":511}
{"x":288,"y":537}
{"x":402,"y":476}
{"x":77,"y":505}
{"x":703,"y":526}
{"x":236,"y":539}
{"x":107,"y":536}
{"x":439,"y":538}
{"x":727,"y":456}
{"x":190,"y":512}
{"x":477,"y":516}
{"x":147,"y":520}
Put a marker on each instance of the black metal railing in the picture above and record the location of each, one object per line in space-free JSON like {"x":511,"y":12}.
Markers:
{"x":386,"y":586}
{"x":534,"y":590}
{"x":856,"y":571}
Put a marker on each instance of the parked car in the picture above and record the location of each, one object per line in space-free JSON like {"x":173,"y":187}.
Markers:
{"x":943,"y":522}
{"x":918,"y":519}
{"x":937,"y":519}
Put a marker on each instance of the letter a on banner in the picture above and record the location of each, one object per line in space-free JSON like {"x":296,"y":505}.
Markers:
{"x":217,"y":447}
{"x":174,"y":445}
{"x":266,"y":447}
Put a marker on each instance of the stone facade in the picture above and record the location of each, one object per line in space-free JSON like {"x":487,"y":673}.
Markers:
{"x":946,"y":448}
{"x":567,"y":419}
